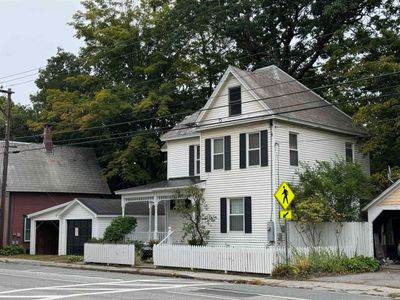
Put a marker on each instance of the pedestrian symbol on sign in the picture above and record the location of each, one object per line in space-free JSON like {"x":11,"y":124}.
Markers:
{"x":284,"y":195}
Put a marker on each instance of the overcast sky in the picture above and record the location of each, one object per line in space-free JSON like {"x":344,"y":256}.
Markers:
{"x":31,"y":31}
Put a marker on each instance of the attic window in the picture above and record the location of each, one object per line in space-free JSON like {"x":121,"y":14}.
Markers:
{"x":235,"y":101}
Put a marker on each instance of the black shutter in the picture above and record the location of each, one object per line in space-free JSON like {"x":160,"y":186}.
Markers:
{"x":191,"y":160}
{"x":208,"y":155}
{"x":247,"y":214}
{"x":264,"y":148}
{"x":227,"y":152}
{"x":242,"y":145}
{"x":223,"y":215}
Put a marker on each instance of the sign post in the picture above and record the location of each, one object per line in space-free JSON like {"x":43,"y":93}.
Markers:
{"x":285,"y":196}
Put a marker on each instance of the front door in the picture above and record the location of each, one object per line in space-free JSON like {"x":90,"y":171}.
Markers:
{"x":78,"y":233}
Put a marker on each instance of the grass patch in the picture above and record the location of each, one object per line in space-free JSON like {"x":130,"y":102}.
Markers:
{"x":394,"y":295}
{"x":51,"y":258}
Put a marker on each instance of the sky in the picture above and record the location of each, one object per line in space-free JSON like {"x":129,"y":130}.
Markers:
{"x":30,"y":32}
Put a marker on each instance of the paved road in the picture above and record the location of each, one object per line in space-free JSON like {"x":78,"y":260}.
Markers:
{"x":48,"y":283}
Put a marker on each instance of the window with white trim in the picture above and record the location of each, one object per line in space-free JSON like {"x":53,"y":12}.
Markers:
{"x":197,"y":159}
{"x":254,"y":149}
{"x":293,"y":149}
{"x":236,"y":214}
{"x":218,"y":154}
{"x":27,"y":229}
{"x":349,"y":152}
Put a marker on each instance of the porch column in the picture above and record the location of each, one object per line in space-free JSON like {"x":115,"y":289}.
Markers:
{"x":150,"y":207}
{"x":123,"y":203}
{"x":155,"y":218}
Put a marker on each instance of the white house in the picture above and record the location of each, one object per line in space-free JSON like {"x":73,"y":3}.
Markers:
{"x":77,"y":221}
{"x":251,"y":135}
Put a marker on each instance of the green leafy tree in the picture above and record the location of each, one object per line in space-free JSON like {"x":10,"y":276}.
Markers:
{"x":194,"y":213}
{"x":342,"y":186}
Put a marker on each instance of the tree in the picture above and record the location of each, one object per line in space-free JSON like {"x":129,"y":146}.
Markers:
{"x":341,"y":186}
{"x":194,"y":213}
{"x":311,"y":212}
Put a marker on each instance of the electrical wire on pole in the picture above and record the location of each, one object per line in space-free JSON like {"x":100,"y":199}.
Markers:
{"x":4,"y":201}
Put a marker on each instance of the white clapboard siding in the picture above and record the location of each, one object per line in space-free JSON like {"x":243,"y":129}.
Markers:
{"x":353,"y":235}
{"x":220,"y":105}
{"x":110,"y":254}
{"x":178,"y":157}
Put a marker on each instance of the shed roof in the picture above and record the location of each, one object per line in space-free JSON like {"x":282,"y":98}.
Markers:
{"x":166,"y":184}
{"x":66,"y":170}
{"x":101,"y":206}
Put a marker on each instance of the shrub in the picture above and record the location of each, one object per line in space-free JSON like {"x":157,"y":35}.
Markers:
{"x":74,"y":258}
{"x":118,"y":228}
{"x":283,"y":271}
{"x":12,"y":250}
{"x":360,"y":264}
{"x":95,"y":241}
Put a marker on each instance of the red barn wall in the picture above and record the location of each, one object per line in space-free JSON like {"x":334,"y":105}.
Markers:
{"x":22,"y":204}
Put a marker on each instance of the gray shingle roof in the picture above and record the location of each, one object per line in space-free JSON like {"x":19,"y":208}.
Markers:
{"x":283,"y":95}
{"x":101,"y":206}
{"x":166,"y":184}
{"x":271,"y":83}
{"x":66,"y":170}
{"x":184,"y":128}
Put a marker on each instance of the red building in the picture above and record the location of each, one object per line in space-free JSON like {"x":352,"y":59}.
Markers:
{"x":42,"y":177}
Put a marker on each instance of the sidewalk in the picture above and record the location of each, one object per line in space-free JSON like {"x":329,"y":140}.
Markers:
{"x":362,"y":284}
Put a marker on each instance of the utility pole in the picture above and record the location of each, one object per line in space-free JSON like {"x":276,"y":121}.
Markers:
{"x":4,"y":203}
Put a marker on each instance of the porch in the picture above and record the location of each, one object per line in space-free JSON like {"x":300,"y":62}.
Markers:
{"x":160,"y":201}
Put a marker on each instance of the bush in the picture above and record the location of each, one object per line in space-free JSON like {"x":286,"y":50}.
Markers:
{"x":12,"y":250}
{"x":283,"y":271}
{"x":118,"y":228}
{"x":95,"y":241}
{"x":324,"y":261}
{"x":74,"y":258}
{"x":360,"y":264}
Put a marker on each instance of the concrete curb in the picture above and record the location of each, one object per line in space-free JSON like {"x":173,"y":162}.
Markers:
{"x":348,"y":288}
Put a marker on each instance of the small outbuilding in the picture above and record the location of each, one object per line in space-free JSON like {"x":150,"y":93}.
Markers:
{"x":384,"y":219}
{"x":65,"y":228}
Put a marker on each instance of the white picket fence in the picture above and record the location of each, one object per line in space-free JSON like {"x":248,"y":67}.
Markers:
{"x":234,"y":259}
{"x":347,"y":235}
{"x":230,"y":258}
{"x":122,"y":254}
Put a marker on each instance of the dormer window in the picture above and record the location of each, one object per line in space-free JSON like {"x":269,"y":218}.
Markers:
{"x":235,"y":101}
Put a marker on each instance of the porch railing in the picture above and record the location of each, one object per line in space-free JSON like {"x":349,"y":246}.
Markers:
{"x":146,"y":236}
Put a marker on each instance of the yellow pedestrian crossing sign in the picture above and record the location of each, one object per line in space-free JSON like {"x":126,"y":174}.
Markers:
{"x":286,"y":214}
{"x":284,"y":195}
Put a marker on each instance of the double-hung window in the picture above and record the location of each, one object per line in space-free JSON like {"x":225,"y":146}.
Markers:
{"x":254,"y":149}
{"x":349,"y":152}
{"x":218,"y":153}
{"x":236,"y":214}
{"x":293,"y":150}
{"x":235,"y":101}
{"x":197,"y":159}
{"x":27,"y":229}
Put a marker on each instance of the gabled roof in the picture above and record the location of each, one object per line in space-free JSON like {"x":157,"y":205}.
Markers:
{"x":383,"y":195}
{"x":282,"y":97}
{"x":66,"y":170}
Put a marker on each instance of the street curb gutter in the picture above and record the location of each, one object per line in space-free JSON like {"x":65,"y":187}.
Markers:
{"x":348,"y":288}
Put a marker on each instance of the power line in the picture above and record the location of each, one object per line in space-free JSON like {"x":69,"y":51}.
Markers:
{"x":222,"y":106}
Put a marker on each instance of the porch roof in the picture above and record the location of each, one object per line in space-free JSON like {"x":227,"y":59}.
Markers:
{"x":161,"y":186}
